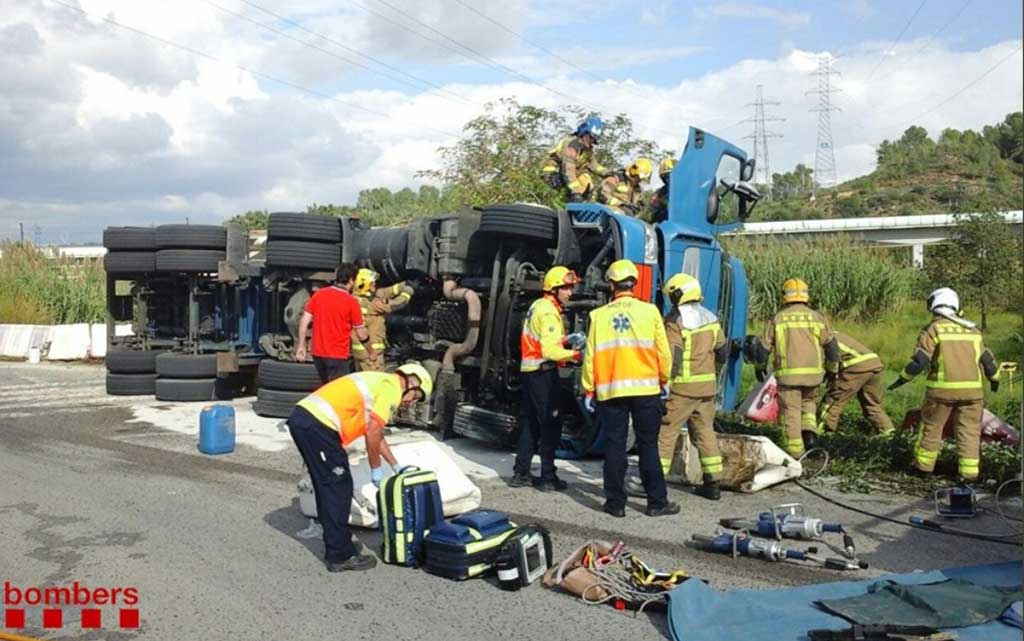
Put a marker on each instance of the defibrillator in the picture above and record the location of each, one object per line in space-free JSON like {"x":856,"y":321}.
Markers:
{"x":524,"y":557}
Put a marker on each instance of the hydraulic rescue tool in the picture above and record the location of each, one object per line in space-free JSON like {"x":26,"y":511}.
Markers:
{"x":742,"y":544}
{"x":789,"y":521}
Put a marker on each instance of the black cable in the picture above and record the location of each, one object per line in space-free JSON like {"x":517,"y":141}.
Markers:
{"x":967,"y":535}
{"x":898,"y":38}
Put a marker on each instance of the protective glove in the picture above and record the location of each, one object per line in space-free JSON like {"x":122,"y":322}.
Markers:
{"x":665,"y":392}
{"x":589,"y":404}
{"x":830,"y":378}
{"x":576,"y":340}
{"x":376,"y":475}
{"x":899,"y":382}
{"x":993,"y":385}
{"x":760,"y":374}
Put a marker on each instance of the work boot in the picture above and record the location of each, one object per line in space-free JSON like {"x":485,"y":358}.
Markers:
{"x":635,"y":487}
{"x":810,"y":439}
{"x":668,"y":509}
{"x":357,"y":563}
{"x":522,"y":480}
{"x":552,"y":485}
{"x":710,"y":490}
{"x":617,"y":512}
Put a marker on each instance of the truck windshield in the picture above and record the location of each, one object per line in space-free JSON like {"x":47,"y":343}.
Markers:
{"x":729,"y":169}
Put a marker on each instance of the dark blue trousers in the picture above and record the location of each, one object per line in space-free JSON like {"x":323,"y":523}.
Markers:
{"x":327,"y":463}
{"x":543,"y":429}
{"x":613,"y":417}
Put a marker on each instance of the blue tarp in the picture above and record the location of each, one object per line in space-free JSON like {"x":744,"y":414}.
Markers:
{"x":698,"y":612}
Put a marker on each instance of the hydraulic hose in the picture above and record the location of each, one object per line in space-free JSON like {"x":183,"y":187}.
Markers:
{"x":453,"y":292}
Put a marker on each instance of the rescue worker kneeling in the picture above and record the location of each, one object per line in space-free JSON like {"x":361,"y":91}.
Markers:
{"x":571,"y":167}
{"x":376,"y":304}
{"x":544,"y":347}
{"x":698,"y":349}
{"x":330,"y":419}
{"x":626,"y":367}
{"x":623,"y":190}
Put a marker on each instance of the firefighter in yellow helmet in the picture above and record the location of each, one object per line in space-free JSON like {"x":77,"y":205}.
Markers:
{"x":953,"y":353}
{"x":545,"y":348}
{"x":860,"y":375}
{"x":659,"y":201}
{"x":571,"y":166}
{"x":626,"y":368}
{"x":623,"y":190}
{"x":805,"y":349}
{"x":699,"y":348}
{"x":376,"y":304}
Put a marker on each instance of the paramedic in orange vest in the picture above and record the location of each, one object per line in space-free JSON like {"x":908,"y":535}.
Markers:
{"x":544,"y":347}
{"x":627,"y":364}
{"x":326,"y":422}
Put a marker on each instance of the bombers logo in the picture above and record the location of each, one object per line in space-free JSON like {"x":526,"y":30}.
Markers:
{"x":80,"y":602}
{"x":621,"y":323}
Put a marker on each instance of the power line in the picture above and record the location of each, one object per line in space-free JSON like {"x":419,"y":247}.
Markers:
{"x":931,"y":38}
{"x":761,"y":136}
{"x":258,"y":74}
{"x":824,"y":153}
{"x":899,"y":37}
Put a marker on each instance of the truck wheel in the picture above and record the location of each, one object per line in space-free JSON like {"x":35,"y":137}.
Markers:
{"x":300,"y":254}
{"x":129,"y":262}
{"x":526,"y":221}
{"x":186,"y":389}
{"x":191,"y":237}
{"x":276,"y":403}
{"x":124,"y":361}
{"x":131,"y":384}
{"x":129,"y":238}
{"x":309,"y":227}
{"x":170,"y":365}
{"x":287,"y":376}
{"x":189,"y":260}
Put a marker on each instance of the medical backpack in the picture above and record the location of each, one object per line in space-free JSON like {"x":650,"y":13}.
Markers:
{"x":466,"y":545}
{"x":408,"y":504}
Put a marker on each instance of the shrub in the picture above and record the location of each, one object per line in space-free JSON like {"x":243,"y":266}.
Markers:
{"x":35,"y":289}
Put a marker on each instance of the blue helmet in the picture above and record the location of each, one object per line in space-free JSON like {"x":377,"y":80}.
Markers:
{"x":593,"y":126}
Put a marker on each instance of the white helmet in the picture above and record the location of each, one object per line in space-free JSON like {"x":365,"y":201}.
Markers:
{"x":944,"y":297}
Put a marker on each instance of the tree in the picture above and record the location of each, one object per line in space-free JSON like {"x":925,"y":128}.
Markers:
{"x":982,"y":262}
{"x":252,"y":219}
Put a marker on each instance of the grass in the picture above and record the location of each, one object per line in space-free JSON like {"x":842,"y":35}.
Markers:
{"x":38,"y":290}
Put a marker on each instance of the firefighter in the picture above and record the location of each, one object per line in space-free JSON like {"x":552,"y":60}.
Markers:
{"x":623,"y":190}
{"x":544,"y":348}
{"x":860,"y":375}
{"x":698,"y":350}
{"x":376,"y":304}
{"x":951,"y":350}
{"x":659,"y":201}
{"x":626,"y":367}
{"x":805,"y":350}
{"x":571,"y":166}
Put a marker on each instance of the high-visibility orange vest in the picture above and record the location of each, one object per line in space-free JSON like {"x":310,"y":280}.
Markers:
{"x":348,"y":404}
{"x":542,"y":335}
{"x":627,"y":350}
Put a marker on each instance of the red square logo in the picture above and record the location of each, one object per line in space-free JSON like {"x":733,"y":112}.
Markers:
{"x":92,"y":618}
{"x":14,"y":618}
{"x":53,"y":618}
{"x":129,"y":618}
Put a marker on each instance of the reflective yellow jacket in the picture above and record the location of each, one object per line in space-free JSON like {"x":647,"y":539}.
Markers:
{"x":542,"y":336}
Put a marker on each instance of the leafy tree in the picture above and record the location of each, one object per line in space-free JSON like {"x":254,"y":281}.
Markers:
{"x":252,"y":219}
{"x":982,"y":262}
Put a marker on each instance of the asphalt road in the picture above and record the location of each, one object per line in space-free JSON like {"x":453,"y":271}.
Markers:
{"x":112,"y":492}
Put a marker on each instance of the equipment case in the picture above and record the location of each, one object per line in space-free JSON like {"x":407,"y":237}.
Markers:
{"x":467,"y":545}
{"x":408,"y":504}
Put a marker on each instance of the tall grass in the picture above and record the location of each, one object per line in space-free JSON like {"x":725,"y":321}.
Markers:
{"x":35,"y":289}
{"x":847,"y":279}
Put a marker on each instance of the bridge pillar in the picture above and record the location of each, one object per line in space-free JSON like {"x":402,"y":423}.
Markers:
{"x":917,"y":254}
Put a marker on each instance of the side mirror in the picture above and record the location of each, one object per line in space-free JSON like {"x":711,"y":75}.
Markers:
{"x":748,"y":169}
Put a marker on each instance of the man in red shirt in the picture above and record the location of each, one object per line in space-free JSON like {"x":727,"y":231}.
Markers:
{"x":337,"y":315}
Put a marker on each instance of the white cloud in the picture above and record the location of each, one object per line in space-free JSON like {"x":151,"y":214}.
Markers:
{"x":754,"y":11}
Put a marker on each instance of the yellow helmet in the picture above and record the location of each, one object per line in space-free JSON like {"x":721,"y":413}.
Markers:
{"x":641,"y":169}
{"x":420,"y":372}
{"x":795,"y":290}
{"x":365,"y":279}
{"x":683,"y":288}
{"x":622,"y":269}
{"x":666,"y":166}
{"x":559,"y":276}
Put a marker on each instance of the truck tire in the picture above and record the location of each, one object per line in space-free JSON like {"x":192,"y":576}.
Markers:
{"x":189,"y":260}
{"x":525,"y":221}
{"x":309,"y":227}
{"x":276,"y":403}
{"x":171,"y":365}
{"x":131,"y":384}
{"x":125,"y":361}
{"x":186,"y":389}
{"x":287,"y":376}
{"x":129,"y":262}
{"x":129,"y":238}
{"x":191,"y":237}
{"x":300,"y":254}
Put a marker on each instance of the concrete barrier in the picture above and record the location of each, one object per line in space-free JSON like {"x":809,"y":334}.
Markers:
{"x":58,"y":342}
